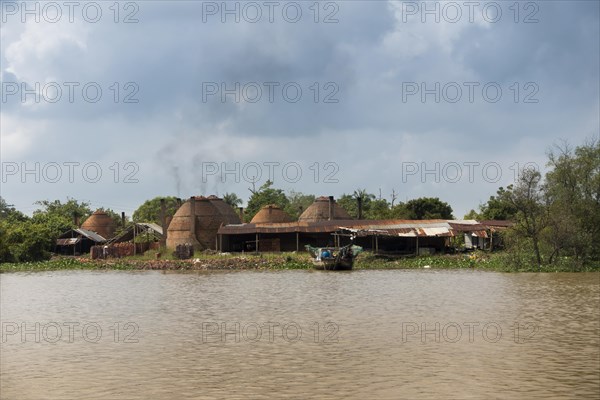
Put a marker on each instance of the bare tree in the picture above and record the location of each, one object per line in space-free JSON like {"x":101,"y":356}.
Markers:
{"x":394,"y":197}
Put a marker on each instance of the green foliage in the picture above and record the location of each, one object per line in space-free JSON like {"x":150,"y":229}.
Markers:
{"x":150,"y":210}
{"x":298,"y":202}
{"x":24,"y":239}
{"x":232,"y":199}
{"x":429,"y":208}
{"x":350,"y":203}
{"x":63,"y":211}
{"x":28,"y":241}
{"x":263,"y":196}
{"x":497,"y":208}
{"x":379,"y":208}
{"x":58,"y":217}
{"x":472,"y":214}
{"x":9,"y":213}
{"x":5,"y":250}
{"x":399,"y":211}
{"x":572,"y":191}
{"x":527,"y":198}
{"x":557,"y":220}
{"x":64,"y":263}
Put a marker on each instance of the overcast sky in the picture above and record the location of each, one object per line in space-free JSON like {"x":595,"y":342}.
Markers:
{"x":350,"y":94}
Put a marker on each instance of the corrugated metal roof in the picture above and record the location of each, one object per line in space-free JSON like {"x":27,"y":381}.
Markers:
{"x":436,"y":231}
{"x":151,"y":225}
{"x":141,"y":229}
{"x":72,"y":233}
{"x":497,"y":223}
{"x":465,"y":221}
{"x":67,"y":242}
{"x":402,"y":228}
{"x":481,"y":234}
{"x":90,"y":235}
{"x":392,"y":227}
{"x":458,"y":226}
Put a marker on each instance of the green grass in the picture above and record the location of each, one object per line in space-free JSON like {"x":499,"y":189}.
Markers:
{"x":499,"y":261}
{"x":484,"y":261}
{"x":61,"y":263}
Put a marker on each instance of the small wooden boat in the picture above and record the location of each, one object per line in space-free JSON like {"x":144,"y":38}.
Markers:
{"x":334,"y":259}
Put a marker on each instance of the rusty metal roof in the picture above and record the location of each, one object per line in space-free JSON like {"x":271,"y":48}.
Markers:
{"x":497,"y":223}
{"x":464,"y":226}
{"x":392,"y":227}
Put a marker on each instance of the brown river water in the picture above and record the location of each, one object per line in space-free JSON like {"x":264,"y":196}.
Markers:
{"x":401,"y":334}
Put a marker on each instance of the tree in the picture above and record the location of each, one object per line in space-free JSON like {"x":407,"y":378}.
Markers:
{"x":573,"y":194}
{"x":263,"y":196}
{"x":298,"y":202}
{"x":527,"y":198}
{"x":232,"y":199}
{"x":472,"y":214}
{"x":149,"y":211}
{"x":5,"y":250}
{"x":58,"y":216}
{"x":66,"y":210}
{"x":497,"y":208}
{"x":429,"y":208}
{"x":29,"y":241}
{"x":394,"y":197}
{"x":363,"y":199}
{"x":400,"y":211}
{"x":349,"y":202}
{"x":24,"y":239}
{"x":378,"y":209}
{"x":9,"y":213}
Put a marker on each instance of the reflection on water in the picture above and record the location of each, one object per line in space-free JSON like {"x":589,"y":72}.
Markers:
{"x":299,"y":334}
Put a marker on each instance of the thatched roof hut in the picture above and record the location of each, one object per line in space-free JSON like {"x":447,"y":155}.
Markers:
{"x":101,"y":223}
{"x":323,"y":209}
{"x":200,"y":227}
{"x":270,"y":213}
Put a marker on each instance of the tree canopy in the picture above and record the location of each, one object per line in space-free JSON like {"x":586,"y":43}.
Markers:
{"x":149,"y":211}
{"x":263,"y":196}
{"x":428,"y":208}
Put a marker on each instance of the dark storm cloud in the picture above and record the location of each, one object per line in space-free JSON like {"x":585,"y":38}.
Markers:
{"x":370,"y":55}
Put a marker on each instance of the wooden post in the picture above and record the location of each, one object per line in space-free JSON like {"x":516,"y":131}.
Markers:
{"x":256,"y":246}
{"x":417,"y":253}
{"x":193,"y":219}
{"x":297,"y":241}
{"x":163,"y":222}
{"x":376,"y":244}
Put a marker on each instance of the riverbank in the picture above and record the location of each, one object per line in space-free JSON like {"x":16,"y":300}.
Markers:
{"x":283,"y":261}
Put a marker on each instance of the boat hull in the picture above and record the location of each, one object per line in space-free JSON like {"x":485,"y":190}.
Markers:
{"x":333,"y":265}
